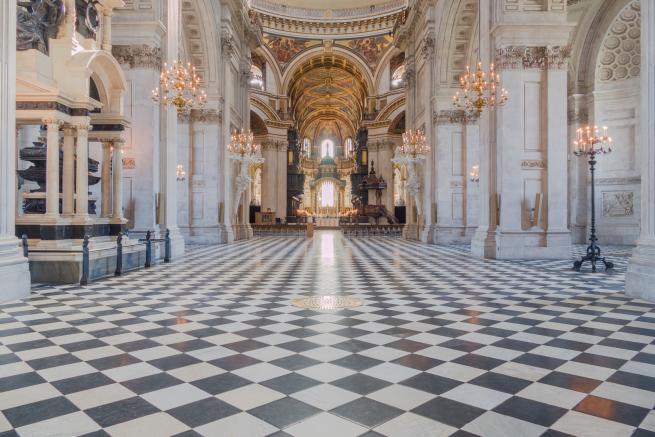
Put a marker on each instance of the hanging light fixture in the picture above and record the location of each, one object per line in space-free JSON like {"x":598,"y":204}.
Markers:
{"x":414,"y":143}
{"x":179,"y":86}
{"x":180,"y":174}
{"x":480,"y":90}
{"x":242,"y":143}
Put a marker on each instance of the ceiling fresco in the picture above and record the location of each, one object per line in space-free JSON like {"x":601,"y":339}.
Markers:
{"x":284,"y":49}
{"x":371,"y":49}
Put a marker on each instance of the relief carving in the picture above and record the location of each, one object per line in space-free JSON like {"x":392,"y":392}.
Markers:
{"x":137,"y":56}
{"x":618,"y":203}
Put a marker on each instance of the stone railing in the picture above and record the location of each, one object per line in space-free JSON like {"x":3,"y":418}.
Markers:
{"x":322,"y":14}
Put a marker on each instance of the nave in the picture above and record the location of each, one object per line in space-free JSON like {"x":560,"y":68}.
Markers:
{"x":440,"y":344}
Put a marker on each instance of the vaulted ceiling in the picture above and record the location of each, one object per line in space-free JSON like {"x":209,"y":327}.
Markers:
{"x":324,"y":90}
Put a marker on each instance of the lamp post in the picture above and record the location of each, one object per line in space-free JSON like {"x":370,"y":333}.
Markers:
{"x":591,"y":143}
{"x":245,"y":151}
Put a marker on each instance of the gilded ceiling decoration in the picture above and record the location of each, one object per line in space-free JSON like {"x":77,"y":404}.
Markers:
{"x":371,"y":49}
{"x":284,"y":49}
{"x":327,"y":92}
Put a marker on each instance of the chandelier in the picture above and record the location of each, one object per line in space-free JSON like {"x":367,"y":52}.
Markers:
{"x":480,"y":90}
{"x":414,"y":143}
{"x":591,"y":142}
{"x":242,"y":143}
{"x":179,"y":85}
{"x":180,"y":174}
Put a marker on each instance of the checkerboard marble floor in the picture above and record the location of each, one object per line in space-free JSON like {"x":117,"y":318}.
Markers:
{"x":444,"y":344}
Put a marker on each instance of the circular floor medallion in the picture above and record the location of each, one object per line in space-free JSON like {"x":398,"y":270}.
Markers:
{"x":327,"y":302}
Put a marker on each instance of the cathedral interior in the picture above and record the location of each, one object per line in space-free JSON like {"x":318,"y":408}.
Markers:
{"x":327,"y":218}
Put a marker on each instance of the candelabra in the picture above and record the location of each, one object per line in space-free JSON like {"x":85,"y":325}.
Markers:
{"x":480,"y":90}
{"x":179,"y":86}
{"x":180,"y":174}
{"x":410,"y":153}
{"x":245,"y":151}
{"x":591,"y":143}
{"x":414,"y":143}
{"x":475,"y":173}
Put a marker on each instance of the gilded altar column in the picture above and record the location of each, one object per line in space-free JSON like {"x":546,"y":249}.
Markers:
{"x":52,"y":167}
{"x":68,"y":180}
{"x":82,"y":172}
{"x":105,"y":179}
{"x":14,"y":269}
{"x":640,"y":277}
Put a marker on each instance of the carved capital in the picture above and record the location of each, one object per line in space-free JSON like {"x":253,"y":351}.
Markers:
{"x":427,"y":48}
{"x":52,"y":122}
{"x":137,"y":55}
{"x":227,"y":44}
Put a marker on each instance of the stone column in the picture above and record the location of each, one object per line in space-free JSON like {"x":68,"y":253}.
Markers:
{"x":14,"y":269}
{"x":52,"y":167}
{"x":82,"y":173}
{"x":640,"y":276}
{"x":484,"y":240}
{"x":105,"y":179}
{"x":106,"y":29}
{"x":68,"y":189}
{"x":168,"y":180}
{"x":117,"y":184}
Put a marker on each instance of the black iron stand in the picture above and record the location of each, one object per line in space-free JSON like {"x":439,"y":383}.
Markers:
{"x":593,"y":250}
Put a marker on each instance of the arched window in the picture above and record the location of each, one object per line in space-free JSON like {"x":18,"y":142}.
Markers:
{"x":307,"y":147}
{"x":350,"y":147}
{"x":398,"y":77}
{"x":327,"y":149}
{"x":256,"y":77}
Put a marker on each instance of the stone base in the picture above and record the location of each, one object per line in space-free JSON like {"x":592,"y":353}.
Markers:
{"x":411,"y":231}
{"x":533,"y":245}
{"x":452,"y":234}
{"x":14,"y":271}
{"x":177,"y":242}
{"x":60,"y":267}
{"x":242,"y":232}
{"x":207,"y":234}
{"x":483,"y":243}
{"x":640,"y":277}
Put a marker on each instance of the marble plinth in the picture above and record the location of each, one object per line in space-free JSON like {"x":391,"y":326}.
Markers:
{"x":66,"y":267}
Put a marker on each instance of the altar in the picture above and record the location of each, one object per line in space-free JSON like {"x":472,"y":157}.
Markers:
{"x":327,"y":222}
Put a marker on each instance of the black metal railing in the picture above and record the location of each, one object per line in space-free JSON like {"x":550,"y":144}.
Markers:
{"x":279,"y":230}
{"x":359,"y":230}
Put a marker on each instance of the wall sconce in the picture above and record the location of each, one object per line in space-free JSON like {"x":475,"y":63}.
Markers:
{"x":180,"y":173}
{"x":475,"y":173}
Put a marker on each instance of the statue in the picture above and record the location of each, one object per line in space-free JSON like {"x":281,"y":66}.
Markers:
{"x":36,"y":22}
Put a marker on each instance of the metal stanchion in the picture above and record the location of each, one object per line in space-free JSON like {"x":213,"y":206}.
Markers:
{"x":84,"y":280}
{"x":26,"y":249}
{"x":119,"y":255}
{"x":167,"y":247}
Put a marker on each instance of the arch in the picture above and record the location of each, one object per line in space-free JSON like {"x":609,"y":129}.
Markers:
{"x":339,"y":57}
{"x":107,"y":74}
{"x":257,"y":125}
{"x":587,"y":43}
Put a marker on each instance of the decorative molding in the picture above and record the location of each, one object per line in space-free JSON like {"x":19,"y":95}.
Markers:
{"x":619,"y":181}
{"x":51,"y":106}
{"x":200,"y":116}
{"x":618,"y":203}
{"x":138,"y":55}
{"x":452,"y":116}
{"x":533,"y":164}
{"x":529,"y":57}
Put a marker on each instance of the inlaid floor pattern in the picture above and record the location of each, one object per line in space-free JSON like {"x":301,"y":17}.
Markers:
{"x":443,"y":344}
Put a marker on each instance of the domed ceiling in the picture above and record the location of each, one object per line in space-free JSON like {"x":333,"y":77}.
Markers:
{"x":331,"y":4}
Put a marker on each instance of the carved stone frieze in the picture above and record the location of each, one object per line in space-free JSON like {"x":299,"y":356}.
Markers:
{"x":618,"y":181}
{"x":529,"y":57}
{"x":455,"y":116}
{"x":138,"y":55}
{"x":200,"y":116}
{"x":618,"y":203}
